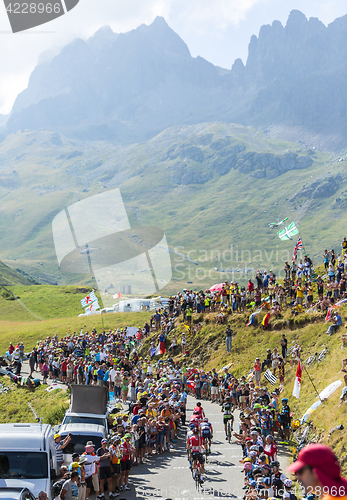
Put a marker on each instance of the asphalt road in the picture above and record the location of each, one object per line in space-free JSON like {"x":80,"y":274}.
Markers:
{"x":168,"y":475}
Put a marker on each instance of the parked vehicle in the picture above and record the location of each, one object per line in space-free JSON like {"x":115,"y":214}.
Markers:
{"x":88,"y":405}
{"x":27,"y":458}
{"x":16,"y":494}
{"x":80,"y":435}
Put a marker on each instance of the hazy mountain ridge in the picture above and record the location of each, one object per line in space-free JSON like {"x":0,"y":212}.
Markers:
{"x":124,"y":87}
{"x":128,"y":87}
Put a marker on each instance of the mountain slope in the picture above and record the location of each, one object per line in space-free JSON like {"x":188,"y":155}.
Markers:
{"x":210,"y":187}
{"x":9,"y":276}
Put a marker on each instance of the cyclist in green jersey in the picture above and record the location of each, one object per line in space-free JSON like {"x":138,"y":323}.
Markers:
{"x":228,"y":416}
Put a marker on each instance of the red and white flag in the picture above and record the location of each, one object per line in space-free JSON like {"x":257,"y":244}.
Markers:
{"x":297,"y":383}
{"x":117,"y":296}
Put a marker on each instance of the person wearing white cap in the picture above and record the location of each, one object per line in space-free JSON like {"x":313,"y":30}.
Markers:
{"x":287,"y":483}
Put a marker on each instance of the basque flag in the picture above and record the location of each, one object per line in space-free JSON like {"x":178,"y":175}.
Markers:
{"x":297,"y":382}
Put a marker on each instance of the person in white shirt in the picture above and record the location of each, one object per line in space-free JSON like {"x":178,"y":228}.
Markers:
{"x":111,"y":377}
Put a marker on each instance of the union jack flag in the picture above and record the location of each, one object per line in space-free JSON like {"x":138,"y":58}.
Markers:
{"x":298,"y":246}
{"x":89,"y":299}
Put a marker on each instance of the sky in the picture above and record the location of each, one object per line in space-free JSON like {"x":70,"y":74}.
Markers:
{"x":218,"y":30}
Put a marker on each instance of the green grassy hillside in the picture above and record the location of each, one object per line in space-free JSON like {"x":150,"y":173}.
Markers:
{"x":207,"y":350}
{"x":212,"y":226}
{"x":9,"y":276}
{"x":31,"y":331}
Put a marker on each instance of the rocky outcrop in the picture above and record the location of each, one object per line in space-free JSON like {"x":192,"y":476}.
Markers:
{"x":184,"y":175}
{"x":320,"y":188}
{"x":268,"y":165}
{"x":185,"y":153}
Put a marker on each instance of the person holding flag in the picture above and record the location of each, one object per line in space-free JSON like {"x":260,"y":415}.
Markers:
{"x":297,"y":382}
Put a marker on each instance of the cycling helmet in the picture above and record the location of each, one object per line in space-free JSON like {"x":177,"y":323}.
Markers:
{"x":275,"y":463}
{"x":198,"y":404}
{"x":284,"y":399}
{"x":227,"y":398}
{"x":257,"y":406}
{"x":195,"y":430}
{"x":205,"y":419}
{"x":192,"y":426}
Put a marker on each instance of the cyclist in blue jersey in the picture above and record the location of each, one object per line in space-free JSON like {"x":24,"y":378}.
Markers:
{"x":207,"y":432}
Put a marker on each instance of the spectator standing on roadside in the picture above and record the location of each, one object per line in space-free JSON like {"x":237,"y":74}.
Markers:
{"x":59,"y":446}
{"x":157,"y":319}
{"x":284,"y":344}
{"x":257,"y":371}
{"x":104,"y":468}
{"x":228,"y":338}
{"x":69,"y":490}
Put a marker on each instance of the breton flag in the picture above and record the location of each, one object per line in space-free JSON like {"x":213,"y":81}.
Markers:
{"x":288,"y":232}
{"x":93,"y":307}
{"x":297,"y":382}
{"x":270,"y":377}
{"x":89,"y":299}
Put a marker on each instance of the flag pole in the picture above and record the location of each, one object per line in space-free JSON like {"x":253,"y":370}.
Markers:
{"x":312,"y":383}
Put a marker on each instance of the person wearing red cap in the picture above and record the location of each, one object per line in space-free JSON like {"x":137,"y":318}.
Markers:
{"x":318,"y":470}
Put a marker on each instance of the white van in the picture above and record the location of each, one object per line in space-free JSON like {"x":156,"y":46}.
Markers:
{"x":80,"y":435}
{"x":88,"y":405}
{"x":27,"y":457}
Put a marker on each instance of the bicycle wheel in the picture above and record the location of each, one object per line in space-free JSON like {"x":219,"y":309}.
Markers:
{"x":309,"y":360}
{"x":301,"y":434}
{"x":311,"y":436}
{"x":197,"y":478}
{"x":300,"y":447}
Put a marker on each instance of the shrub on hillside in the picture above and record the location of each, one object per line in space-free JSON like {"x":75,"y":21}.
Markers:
{"x":56,"y":415}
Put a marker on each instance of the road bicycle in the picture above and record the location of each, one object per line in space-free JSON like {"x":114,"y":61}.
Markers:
{"x":317,"y":357}
{"x":304,"y":435}
{"x":196,"y":473}
{"x":310,"y":360}
{"x":229,"y":430}
{"x":4,"y":389}
{"x":322,"y":354}
{"x":295,"y":347}
{"x":206,"y":453}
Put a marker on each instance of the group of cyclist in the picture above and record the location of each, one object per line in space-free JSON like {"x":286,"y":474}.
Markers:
{"x":258,"y":425}
{"x":199,"y":440}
